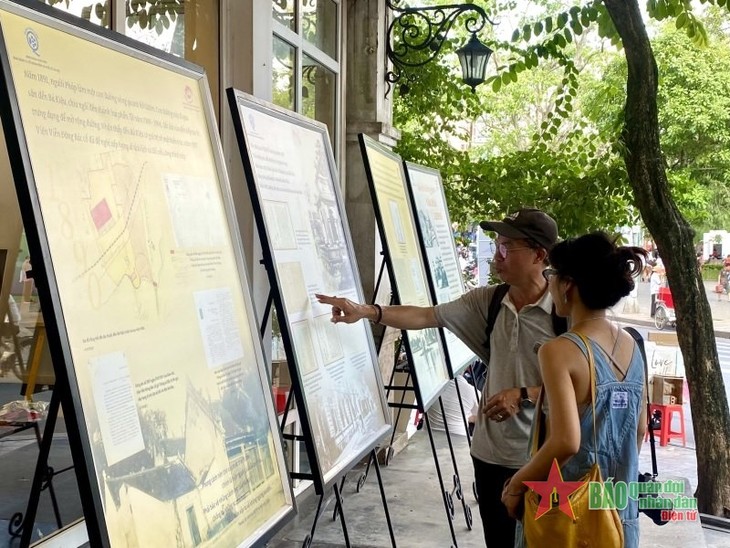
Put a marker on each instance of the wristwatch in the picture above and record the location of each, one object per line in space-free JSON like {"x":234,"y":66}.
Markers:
{"x":525,"y":400}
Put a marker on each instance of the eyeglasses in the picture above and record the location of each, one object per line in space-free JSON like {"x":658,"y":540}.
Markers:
{"x":548,"y":272}
{"x":503,"y":250}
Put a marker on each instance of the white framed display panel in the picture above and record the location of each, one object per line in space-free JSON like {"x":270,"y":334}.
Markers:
{"x":128,"y":212}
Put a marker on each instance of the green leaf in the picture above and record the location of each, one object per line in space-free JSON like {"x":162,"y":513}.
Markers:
{"x":516,"y":35}
{"x":681,"y":20}
{"x":562,"y":20}
{"x":537,"y":30}
{"x":549,"y":24}
{"x":527,"y":33}
{"x":568,"y":35}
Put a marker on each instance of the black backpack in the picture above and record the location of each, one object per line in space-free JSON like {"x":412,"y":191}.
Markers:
{"x":479,"y":369}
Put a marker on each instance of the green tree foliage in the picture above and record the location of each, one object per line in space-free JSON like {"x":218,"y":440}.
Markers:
{"x":694,"y":116}
{"x":554,"y":134}
{"x":152,"y":14}
{"x":603,"y":157}
{"x":519,"y":140}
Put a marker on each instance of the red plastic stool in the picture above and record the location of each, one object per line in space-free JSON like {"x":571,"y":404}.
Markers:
{"x":667,"y":413}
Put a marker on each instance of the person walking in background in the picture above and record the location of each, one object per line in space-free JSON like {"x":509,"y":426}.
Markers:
{"x":523,"y":322}
{"x":453,"y":408}
{"x":723,"y":282}
{"x":655,"y":282}
{"x":589,"y":275}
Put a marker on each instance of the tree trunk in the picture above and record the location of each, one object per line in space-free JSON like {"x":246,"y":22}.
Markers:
{"x":674,"y":237}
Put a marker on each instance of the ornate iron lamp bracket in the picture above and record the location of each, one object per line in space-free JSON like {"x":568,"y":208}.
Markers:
{"x":421,"y":33}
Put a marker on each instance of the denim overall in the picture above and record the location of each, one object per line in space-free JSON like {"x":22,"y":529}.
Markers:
{"x":618,"y":409}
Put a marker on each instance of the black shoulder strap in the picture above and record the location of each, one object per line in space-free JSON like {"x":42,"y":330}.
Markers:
{"x":560,"y":324}
{"x":640,"y":343}
{"x":494,"y":307}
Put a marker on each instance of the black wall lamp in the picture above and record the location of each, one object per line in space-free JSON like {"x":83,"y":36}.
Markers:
{"x":421,"y":33}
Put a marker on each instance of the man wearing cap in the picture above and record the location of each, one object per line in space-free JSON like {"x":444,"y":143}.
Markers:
{"x":500,"y":442}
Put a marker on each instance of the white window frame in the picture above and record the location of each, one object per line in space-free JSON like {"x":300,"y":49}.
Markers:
{"x":302,"y":46}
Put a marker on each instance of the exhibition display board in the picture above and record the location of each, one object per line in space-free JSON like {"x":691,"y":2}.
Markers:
{"x":439,"y":251}
{"x":307,"y":249}
{"x":136,"y":254}
{"x":402,"y":253}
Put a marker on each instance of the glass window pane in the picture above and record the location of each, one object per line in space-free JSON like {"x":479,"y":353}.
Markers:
{"x":283,"y":11}
{"x":319,"y":94}
{"x":162,"y":30}
{"x":186,"y":29}
{"x":282,"y":74}
{"x":319,"y":25}
{"x":92,"y":10}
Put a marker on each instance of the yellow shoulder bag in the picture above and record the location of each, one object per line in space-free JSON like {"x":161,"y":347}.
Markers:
{"x":590,"y":528}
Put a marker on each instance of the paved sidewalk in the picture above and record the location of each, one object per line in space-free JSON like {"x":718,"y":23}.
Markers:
{"x":415,"y":504}
{"x":418,"y":516}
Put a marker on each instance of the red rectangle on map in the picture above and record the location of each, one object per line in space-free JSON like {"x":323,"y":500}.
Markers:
{"x":101,"y":214}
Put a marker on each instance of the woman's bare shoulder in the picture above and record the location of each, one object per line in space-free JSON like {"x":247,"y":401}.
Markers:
{"x":558,"y":351}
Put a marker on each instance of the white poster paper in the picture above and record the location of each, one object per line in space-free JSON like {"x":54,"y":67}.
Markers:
{"x":117,"y":410}
{"x":432,"y":216}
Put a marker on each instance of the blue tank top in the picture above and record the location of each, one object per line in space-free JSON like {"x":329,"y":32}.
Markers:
{"x":618,"y":410}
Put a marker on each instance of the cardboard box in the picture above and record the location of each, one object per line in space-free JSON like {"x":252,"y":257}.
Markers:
{"x":280,"y":374}
{"x":667,"y":390}
{"x":663,"y":338}
{"x":666,"y":361}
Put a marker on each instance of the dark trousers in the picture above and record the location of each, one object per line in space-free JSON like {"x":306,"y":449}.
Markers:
{"x":653,"y":305}
{"x":499,"y":528}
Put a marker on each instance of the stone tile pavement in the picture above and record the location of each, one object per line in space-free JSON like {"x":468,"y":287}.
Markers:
{"x":419,"y":519}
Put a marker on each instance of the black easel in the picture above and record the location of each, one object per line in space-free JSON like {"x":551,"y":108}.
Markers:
{"x":463,"y":413}
{"x":468,"y":518}
{"x":457,"y":490}
{"x":407,"y":387}
{"x":22,"y":525}
{"x":338,"y":485}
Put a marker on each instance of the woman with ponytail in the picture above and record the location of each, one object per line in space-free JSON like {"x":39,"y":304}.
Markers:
{"x":588,"y":275}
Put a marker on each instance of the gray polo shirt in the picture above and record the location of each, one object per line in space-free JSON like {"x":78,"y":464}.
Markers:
{"x":514,"y":343}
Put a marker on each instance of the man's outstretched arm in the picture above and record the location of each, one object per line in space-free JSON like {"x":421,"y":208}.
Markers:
{"x":400,"y":316}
